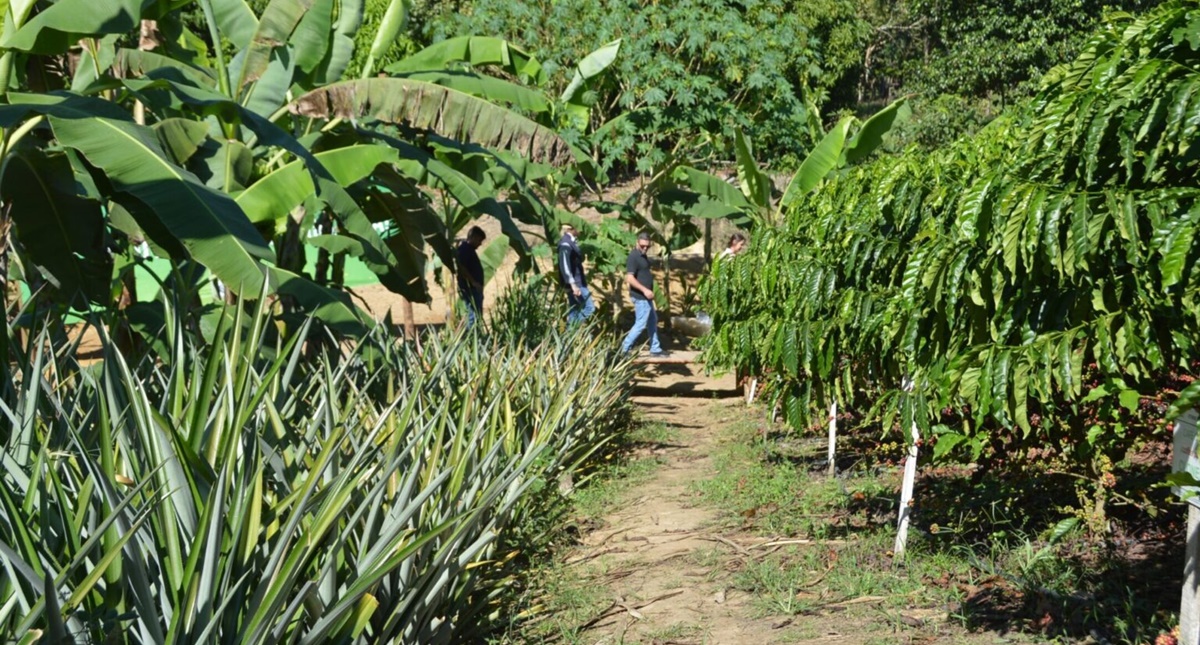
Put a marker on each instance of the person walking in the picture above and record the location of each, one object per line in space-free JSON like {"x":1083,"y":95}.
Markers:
{"x":570,"y":274}
{"x":641,"y":291}
{"x":470,"y":274}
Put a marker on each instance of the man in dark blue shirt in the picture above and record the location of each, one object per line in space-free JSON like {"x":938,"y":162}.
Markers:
{"x":641,"y":291}
{"x":570,"y":274}
{"x":470,"y":274}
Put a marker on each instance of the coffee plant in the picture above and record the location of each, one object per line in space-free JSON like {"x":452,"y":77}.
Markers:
{"x":1036,"y":282}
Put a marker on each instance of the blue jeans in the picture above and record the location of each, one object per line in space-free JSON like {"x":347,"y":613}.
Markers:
{"x":582,"y":305}
{"x":645,"y":316}
{"x":473,"y":299}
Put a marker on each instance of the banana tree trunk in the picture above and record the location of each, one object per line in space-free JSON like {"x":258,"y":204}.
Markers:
{"x":410,"y":323}
{"x":708,"y":245}
{"x":339,"y":271}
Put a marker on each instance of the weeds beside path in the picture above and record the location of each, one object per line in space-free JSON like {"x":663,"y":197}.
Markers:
{"x":648,"y":565}
{"x":661,"y":565}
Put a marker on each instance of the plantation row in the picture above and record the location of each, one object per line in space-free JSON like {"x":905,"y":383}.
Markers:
{"x":265,"y":489}
{"x":1031,"y":286}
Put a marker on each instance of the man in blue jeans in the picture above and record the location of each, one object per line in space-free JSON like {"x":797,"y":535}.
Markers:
{"x":570,"y":273}
{"x":470,"y":274}
{"x":641,"y":291}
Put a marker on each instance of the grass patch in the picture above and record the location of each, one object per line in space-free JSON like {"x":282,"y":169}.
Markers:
{"x":969,"y":570}
{"x":629,"y":465}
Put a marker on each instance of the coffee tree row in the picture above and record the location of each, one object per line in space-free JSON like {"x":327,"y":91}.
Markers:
{"x":1035,"y":283}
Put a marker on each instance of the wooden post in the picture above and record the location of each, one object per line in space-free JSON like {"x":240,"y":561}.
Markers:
{"x":906,"y":493}
{"x":832,"y":438}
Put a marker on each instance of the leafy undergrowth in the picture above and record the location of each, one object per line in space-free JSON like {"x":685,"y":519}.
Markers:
{"x":996,"y":552}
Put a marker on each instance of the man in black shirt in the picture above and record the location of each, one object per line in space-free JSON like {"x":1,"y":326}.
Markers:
{"x":570,"y":274}
{"x":641,"y":291}
{"x":470,"y":274}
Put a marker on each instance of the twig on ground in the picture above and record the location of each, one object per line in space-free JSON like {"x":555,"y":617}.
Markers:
{"x":861,"y":600}
{"x":737,"y":547}
{"x":777,"y":543}
{"x":617,"y":605}
{"x":820,"y":577}
{"x":592,"y":556}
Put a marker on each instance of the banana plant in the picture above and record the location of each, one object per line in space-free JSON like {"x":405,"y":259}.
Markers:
{"x":254,"y":122}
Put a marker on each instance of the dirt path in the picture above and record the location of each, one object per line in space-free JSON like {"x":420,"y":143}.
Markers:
{"x":664,"y":559}
{"x":653,"y":549}
{"x":668,"y":566}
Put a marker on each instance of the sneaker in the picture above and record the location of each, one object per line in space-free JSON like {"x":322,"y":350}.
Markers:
{"x":660,"y":354}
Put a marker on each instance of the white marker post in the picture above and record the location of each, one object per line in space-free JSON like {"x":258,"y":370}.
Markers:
{"x":906,"y":493}
{"x":832,"y":437}
{"x":1186,"y":460}
{"x":906,"y":489}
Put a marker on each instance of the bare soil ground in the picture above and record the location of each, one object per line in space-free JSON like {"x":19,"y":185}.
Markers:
{"x":668,"y":566}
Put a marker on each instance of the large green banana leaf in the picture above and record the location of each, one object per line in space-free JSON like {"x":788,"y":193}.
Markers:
{"x":478,"y":51}
{"x":710,"y":186}
{"x":405,"y":237}
{"x":65,"y":22}
{"x":394,"y":19}
{"x":376,"y":254}
{"x":272,"y":197}
{"x":475,"y":197}
{"x":181,"y":137}
{"x":590,"y":67}
{"x":331,"y":306}
{"x":275,"y":27}
{"x":62,"y":104}
{"x":62,"y":233}
{"x":755,"y":183}
{"x":823,"y":158}
{"x":132,"y":63}
{"x":427,"y":106}
{"x":487,"y":87}
{"x":96,"y":57}
{"x":414,"y":218}
{"x":870,"y":135}
{"x":311,"y":38}
{"x":341,"y":42}
{"x":235,"y":21}
{"x":207,"y":222}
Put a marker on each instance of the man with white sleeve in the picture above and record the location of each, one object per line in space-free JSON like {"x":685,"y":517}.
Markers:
{"x":570,"y":274}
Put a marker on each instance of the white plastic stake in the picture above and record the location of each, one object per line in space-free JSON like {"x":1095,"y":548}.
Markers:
{"x":832,"y":437}
{"x":906,"y":492}
{"x":1189,"y":605}
{"x":1185,"y":459}
{"x":753,"y":388}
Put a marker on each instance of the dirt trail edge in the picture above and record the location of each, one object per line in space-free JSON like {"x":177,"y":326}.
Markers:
{"x":660,"y":557}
